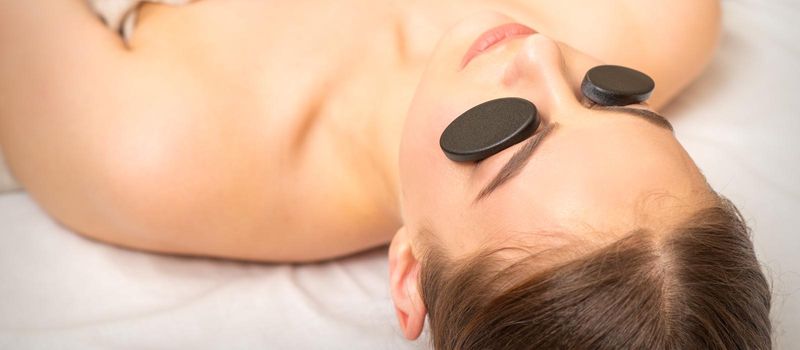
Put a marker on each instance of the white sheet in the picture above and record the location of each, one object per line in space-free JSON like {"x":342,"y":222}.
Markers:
{"x":740,"y":122}
{"x":60,"y":290}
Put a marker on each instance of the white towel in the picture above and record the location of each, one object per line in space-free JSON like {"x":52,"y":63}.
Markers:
{"x":120,"y":15}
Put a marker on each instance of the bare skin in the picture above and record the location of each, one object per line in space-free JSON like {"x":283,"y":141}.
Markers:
{"x":265,"y":130}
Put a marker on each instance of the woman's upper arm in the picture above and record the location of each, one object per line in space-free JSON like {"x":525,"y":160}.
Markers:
{"x":68,"y":87}
{"x":54,"y":51}
{"x":56,"y":32}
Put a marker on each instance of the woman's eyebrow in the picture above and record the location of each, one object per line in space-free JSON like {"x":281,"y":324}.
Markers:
{"x":648,"y":115}
{"x":517,"y":161}
{"x":521,"y":157}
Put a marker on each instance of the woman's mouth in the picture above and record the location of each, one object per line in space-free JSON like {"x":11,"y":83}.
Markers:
{"x":494,"y":36}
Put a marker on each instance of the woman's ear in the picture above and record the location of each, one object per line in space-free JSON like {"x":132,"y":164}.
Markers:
{"x":404,"y":276}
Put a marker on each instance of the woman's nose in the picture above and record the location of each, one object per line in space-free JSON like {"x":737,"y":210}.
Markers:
{"x":539,"y":69}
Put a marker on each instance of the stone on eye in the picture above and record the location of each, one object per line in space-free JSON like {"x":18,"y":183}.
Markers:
{"x":610,"y":85}
{"x":488,"y":128}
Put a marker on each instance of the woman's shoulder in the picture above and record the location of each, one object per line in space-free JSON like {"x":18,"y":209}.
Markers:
{"x":262,"y":98}
{"x":671,"y":40}
{"x":680,"y":38}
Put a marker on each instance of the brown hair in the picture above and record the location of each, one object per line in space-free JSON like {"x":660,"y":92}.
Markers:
{"x":700,"y":286}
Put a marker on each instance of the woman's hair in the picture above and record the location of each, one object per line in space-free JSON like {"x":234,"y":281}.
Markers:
{"x":698,"y":286}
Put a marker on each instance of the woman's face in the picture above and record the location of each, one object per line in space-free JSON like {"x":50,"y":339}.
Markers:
{"x":597,"y":171}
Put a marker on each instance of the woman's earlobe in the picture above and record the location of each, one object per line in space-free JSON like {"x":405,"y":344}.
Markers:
{"x":403,"y":278}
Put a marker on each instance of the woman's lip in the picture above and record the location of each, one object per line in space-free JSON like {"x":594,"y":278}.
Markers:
{"x":494,"y":36}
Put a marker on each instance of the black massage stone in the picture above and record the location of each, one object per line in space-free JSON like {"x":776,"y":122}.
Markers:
{"x":609,"y":85}
{"x":489,"y":128}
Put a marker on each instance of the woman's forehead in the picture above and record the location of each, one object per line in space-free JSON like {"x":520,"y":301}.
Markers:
{"x":593,"y":173}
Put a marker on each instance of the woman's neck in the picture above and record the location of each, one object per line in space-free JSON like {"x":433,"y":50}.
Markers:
{"x":383,"y":82}
{"x":393,"y":75}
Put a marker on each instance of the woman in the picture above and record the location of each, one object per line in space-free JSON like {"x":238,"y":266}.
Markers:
{"x":293,"y":132}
